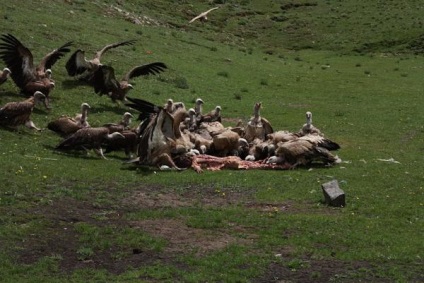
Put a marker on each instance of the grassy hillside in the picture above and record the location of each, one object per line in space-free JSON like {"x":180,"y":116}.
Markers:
{"x":357,"y":67}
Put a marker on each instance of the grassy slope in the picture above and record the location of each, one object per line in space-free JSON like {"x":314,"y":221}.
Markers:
{"x":370,"y":104}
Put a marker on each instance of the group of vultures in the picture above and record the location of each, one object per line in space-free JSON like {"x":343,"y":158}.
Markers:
{"x":168,"y":136}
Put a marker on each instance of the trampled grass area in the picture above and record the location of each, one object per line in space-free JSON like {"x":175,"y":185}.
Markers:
{"x":71,"y":217}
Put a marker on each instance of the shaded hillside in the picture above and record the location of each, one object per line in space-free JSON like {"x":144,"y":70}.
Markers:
{"x":276,"y":26}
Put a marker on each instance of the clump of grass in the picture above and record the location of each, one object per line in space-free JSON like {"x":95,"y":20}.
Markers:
{"x":366,"y":72}
{"x":264,"y":82}
{"x":404,"y":75}
{"x":244,"y":89}
{"x":223,"y":74}
{"x":237,"y":96}
{"x":214,"y":48}
{"x":85,"y":253}
{"x":358,"y":65}
{"x":181,"y":82}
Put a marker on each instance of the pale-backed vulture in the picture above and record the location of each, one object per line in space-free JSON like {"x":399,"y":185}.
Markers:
{"x":157,"y":134}
{"x":66,"y":125}
{"x":227,"y":143}
{"x":77,"y":64}
{"x":305,"y":150}
{"x":202,"y":16}
{"x":4,"y":75}
{"x":257,"y":127}
{"x":105,"y":82}
{"x":308,"y":128}
{"x":13,"y":114}
{"x":89,"y":138}
{"x":282,"y":136}
{"x":28,"y":77}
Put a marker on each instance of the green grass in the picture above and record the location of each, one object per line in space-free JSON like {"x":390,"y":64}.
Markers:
{"x":357,"y":68}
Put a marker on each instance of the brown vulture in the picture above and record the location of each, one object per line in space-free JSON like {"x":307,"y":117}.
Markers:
{"x":129,"y":144}
{"x":4,"y":75}
{"x":78,"y":64}
{"x":66,"y":125}
{"x":28,"y":77}
{"x":306,"y":150}
{"x":105,"y":82}
{"x":172,"y":106}
{"x":89,"y":138}
{"x":202,"y":16}
{"x":308,"y":128}
{"x":257,"y":127}
{"x":213,"y":116}
{"x":13,"y":114}
{"x":122,"y":125}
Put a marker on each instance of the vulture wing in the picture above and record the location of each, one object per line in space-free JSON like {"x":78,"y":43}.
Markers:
{"x":13,"y":111}
{"x":84,"y":138}
{"x":50,"y":59}
{"x":77,"y":64}
{"x":113,"y":45}
{"x":18,"y":59}
{"x":104,"y":80}
{"x":144,"y":70}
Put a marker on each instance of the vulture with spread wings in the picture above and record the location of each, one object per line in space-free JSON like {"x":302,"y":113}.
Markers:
{"x":78,"y":63}
{"x":19,"y":59}
{"x":105,"y":82}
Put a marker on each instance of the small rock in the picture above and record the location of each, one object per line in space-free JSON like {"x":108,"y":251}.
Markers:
{"x":333,"y":195}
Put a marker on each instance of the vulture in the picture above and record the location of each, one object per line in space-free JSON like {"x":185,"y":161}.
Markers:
{"x":282,"y":136}
{"x":65,"y":125}
{"x":257,"y":127}
{"x":260,"y":150}
{"x":105,"y":82}
{"x":4,"y":75}
{"x":90,"y":138}
{"x":172,"y":106}
{"x":202,"y":16}
{"x":28,"y":77}
{"x":198,"y":109}
{"x":13,"y":114}
{"x":157,"y":134}
{"x":129,"y":144}
{"x":306,"y":150}
{"x":213,"y":116}
{"x":308,"y":128}
{"x":122,"y":125}
{"x":227,"y":143}
{"x":78,"y":64}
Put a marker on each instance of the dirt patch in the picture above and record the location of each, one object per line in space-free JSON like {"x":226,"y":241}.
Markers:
{"x":183,"y":239}
{"x":287,"y":268}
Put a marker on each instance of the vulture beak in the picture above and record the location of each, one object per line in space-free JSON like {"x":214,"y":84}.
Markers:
{"x":130,"y":86}
{"x":7,"y":70}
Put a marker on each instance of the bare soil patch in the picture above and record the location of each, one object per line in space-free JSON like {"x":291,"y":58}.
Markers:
{"x":60,"y":240}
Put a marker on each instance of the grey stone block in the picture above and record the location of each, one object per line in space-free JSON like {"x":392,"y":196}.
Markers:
{"x":333,"y":195}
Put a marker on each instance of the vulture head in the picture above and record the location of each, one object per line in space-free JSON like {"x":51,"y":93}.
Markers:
{"x":198,"y":106}
{"x":39,"y":97}
{"x":126,"y":119}
{"x":308,"y":118}
{"x":7,"y":71}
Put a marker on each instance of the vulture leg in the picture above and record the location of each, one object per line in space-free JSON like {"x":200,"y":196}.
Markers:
{"x":99,"y":151}
{"x":30,"y":124}
{"x":165,"y":159}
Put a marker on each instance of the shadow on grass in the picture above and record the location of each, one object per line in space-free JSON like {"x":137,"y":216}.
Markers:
{"x":74,"y":83}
